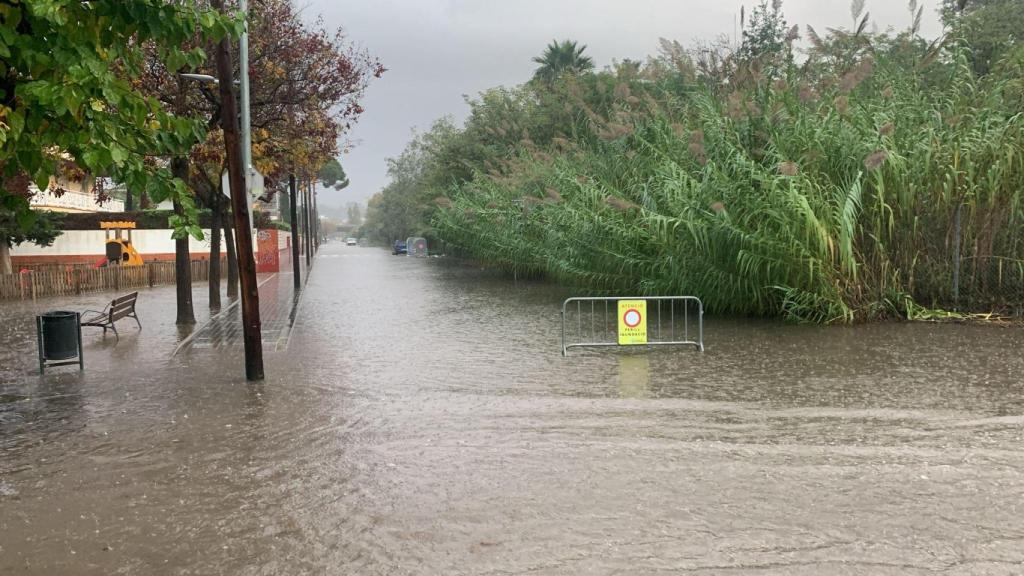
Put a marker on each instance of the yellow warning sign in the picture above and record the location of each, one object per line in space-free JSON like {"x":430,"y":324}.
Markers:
{"x":632,"y":322}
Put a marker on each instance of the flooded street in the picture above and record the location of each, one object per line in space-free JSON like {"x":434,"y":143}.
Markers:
{"x":423,"y":421}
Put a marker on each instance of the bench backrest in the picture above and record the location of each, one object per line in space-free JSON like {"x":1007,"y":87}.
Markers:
{"x":123,"y":306}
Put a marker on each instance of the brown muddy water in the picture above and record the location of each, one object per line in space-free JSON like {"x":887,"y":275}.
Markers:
{"x":423,"y":421}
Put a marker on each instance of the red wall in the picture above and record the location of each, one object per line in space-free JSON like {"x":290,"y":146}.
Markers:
{"x":268,"y":259}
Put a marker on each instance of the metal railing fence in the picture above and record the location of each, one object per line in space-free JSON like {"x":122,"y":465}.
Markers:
{"x":589,"y":322}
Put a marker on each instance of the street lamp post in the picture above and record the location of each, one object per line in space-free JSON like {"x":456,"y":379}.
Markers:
{"x":243,"y":67}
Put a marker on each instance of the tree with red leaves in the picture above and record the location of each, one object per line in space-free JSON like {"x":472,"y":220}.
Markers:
{"x":305,"y":85}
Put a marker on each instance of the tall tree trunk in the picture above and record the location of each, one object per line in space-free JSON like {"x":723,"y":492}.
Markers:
{"x":5,"y":258}
{"x":307,"y":225}
{"x":215,"y":231}
{"x":182,"y":258}
{"x":144,"y":202}
{"x":129,"y":201}
{"x":316,"y":231}
{"x":229,"y":244}
{"x":183,"y":273}
{"x":293,"y":219}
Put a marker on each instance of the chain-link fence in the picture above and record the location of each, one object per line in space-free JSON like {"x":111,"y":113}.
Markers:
{"x":990,"y":284}
{"x":985,"y":276}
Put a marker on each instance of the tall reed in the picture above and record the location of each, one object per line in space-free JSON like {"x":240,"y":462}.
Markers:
{"x":832,"y":208}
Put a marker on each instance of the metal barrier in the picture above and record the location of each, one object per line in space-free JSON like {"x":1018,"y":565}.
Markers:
{"x":416,"y":246}
{"x":666,"y":321}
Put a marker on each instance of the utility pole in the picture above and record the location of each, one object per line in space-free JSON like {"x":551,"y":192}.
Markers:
{"x":294,"y":218}
{"x":239,"y":205}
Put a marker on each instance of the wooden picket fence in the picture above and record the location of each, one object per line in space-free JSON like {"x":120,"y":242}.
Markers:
{"x":39,"y":281}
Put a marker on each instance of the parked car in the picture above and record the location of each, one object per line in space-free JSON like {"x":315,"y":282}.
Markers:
{"x":351,"y":242}
{"x":398,"y":248}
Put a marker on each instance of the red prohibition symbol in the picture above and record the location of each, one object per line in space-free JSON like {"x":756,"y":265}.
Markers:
{"x":631,"y":318}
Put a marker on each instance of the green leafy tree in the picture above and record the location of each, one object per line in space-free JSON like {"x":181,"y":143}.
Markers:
{"x":991,"y":29}
{"x":401,"y":209}
{"x":68,"y":93}
{"x":433,"y":161}
{"x":333,"y":175}
{"x":40,"y":228}
{"x":561,"y":58}
{"x":765,"y":37}
{"x":354,"y":214}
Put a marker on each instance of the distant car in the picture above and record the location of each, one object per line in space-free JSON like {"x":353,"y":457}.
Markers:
{"x":351,"y":242}
{"x":398,"y":248}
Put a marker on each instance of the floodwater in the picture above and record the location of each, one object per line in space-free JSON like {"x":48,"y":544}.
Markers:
{"x":423,"y":421}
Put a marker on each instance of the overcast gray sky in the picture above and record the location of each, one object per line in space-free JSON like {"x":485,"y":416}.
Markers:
{"x":438,"y":50}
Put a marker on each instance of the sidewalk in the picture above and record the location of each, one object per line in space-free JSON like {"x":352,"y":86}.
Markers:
{"x":159,"y":344}
{"x":278,"y":308}
{"x":104,"y":356}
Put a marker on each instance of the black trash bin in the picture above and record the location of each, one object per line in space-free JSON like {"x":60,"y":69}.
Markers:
{"x":60,"y":339}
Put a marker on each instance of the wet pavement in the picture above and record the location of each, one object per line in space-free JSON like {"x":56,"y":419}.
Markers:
{"x":278,"y":311}
{"x":421,"y":420}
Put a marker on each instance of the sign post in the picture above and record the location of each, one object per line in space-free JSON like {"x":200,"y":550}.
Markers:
{"x":632,"y":322}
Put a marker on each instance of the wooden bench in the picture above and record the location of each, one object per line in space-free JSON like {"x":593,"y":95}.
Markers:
{"x":120,"y":307}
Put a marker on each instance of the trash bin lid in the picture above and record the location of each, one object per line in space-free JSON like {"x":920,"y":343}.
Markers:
{"x":57,"y":314}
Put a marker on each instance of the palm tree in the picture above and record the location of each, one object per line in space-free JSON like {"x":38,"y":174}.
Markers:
{"x":565,"y":57}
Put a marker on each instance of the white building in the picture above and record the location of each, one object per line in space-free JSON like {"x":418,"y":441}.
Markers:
{"x":77,"y":197}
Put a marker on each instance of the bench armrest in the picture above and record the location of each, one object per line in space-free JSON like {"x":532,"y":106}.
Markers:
{"x":90,"y":316}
